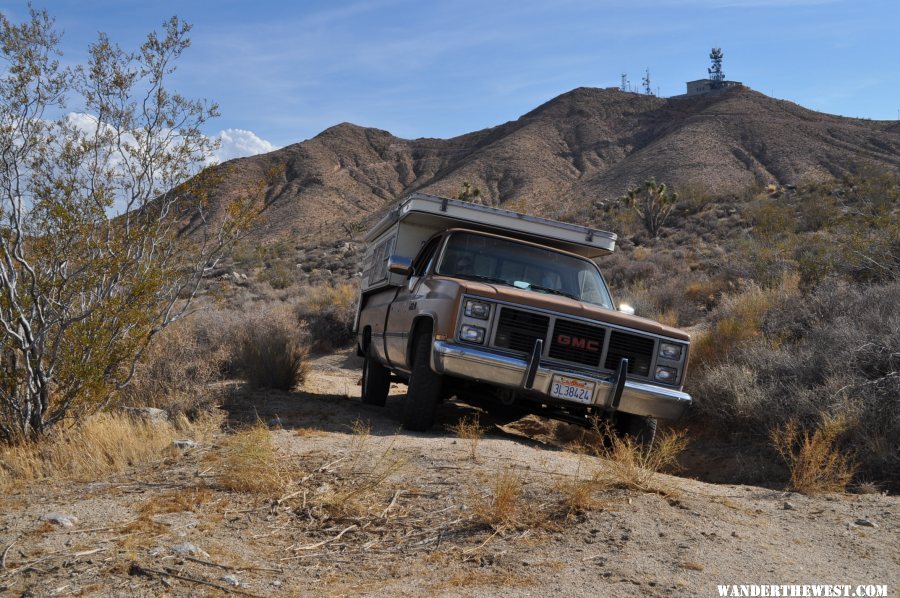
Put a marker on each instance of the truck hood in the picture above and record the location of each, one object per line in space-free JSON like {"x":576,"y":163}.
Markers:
{"x":565,"y":305}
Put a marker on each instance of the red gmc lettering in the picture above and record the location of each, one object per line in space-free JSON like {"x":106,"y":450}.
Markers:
{"x":578,"y":343}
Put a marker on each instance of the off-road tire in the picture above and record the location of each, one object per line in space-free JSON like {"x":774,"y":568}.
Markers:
{"x":424,"y":392}
{"x":642,"y":430}
{"x":376,"y":380}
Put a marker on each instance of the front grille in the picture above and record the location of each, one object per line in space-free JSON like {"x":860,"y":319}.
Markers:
{"x":637,"y":349}
{"x":573,"y":341}
{"x":517,"y":330}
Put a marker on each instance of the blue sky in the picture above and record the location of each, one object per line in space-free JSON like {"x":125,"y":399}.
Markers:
{"x":284,"y":71}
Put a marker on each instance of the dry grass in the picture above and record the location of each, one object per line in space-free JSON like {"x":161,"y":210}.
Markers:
{"x":360,"y":434}
{"x":469,"y":428}
{"x":103,"y":444}
{"x":814,"y":458}
{"x":631,"y":465}
{"x":577,"y":493}
{"x":365,"y":492}
{"x":490,"y":579}
{"x":250,"y":462}
{"x":740,"y":318}
{"x":504,"y":507}
{"x":177,"y":501}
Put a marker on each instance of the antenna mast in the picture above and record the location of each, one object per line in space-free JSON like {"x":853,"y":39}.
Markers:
{"x":716,"y":74}
{"x":646,"y":83}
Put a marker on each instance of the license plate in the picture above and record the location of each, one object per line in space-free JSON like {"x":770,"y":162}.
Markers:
{"x":572,"y":389}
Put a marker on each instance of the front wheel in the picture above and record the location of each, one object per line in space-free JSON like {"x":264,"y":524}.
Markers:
{"x":642,"y":430}
{"x":376,"y":381}
{"x":424,"y":392}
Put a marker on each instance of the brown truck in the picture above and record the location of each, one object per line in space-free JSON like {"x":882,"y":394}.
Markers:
{"x":511,"y":313}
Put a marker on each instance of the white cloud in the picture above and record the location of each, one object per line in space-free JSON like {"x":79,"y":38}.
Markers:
{"x":239,"y":143}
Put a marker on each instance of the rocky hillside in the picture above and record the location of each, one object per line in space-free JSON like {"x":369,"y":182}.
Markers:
{"x":584,"y":145}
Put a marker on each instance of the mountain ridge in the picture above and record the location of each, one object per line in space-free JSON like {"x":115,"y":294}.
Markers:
{"x":585,"y":145}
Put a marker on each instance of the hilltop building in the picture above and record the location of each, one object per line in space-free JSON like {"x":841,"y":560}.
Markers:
{"x":708,"y":87}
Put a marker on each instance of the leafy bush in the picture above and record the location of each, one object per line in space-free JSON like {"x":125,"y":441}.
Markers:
{"x":83,"y":293}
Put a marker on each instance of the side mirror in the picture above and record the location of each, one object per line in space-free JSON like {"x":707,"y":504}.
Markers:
{"x":397,"y":264}
{"x":626,"y":309}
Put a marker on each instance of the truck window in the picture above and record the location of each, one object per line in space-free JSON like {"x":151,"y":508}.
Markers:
{"x":420,"y":264}
{"x":505,"y":261}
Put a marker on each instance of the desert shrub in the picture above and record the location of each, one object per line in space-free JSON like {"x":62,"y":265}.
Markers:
{"x":278,"y":275}
{"x":737,"y":321}
{"x":631,"y":465}
{"x":814,"y":458}
{"x":84,"y":293}
{"x":328,"y":312}
{"x":834,"y":353}
{"x":178,"y":368}
{"x":269,"y":350}
{"x":694,"y":196}
{"x":772,"y":219}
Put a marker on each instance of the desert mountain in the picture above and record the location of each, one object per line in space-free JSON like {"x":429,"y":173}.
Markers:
{"x":584,"y":145}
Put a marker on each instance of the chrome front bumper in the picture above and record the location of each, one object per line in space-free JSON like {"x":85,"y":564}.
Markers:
{"x":503,"y":370}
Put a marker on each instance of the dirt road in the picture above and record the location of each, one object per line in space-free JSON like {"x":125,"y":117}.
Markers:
{"x":366,"y":508}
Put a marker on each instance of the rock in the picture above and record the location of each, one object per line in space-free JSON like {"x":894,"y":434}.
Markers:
{"x":865,"y":523}
{"x":61,"y":520}
{"x":789,"y":506}
{"x":230,"y":580}
{"x":150,"y":414}
{"x":277,"y":583}
{"x":184,"y":444}
{"x":188,"y":549}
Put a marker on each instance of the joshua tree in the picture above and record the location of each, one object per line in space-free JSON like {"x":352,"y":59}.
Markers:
{"x":469,"y":193}
{"x":653,"y":204}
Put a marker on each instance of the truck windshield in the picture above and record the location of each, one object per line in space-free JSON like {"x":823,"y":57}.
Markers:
{"x":507,"y":262}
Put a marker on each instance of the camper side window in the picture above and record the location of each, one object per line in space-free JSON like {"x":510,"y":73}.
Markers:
{"x":423,"y":260}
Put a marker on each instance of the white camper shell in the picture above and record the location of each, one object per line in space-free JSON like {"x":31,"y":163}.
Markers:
{"x":417,"y":218}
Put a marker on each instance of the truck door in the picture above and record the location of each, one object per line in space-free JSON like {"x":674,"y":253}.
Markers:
{"x":403,"y":309}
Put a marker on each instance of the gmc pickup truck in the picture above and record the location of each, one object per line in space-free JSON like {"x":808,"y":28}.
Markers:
{"x":509,"y":312}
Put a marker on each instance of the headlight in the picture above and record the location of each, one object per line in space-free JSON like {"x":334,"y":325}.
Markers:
{"x":472,"y":334}
{"x":477,"y":309}
{"x":670,"y":351}
{"x":664,"y":374}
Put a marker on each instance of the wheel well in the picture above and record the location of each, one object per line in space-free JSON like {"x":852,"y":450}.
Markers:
{"x":363,"y":345}
{"x":420,"y":324}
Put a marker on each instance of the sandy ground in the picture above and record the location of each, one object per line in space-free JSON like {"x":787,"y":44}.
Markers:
{"x":369,"y":509}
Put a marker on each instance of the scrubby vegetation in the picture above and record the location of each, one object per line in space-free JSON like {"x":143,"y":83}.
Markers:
{"x":793,"y":298}
{"x":328,"y":312}
{"x":270,"y":350}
